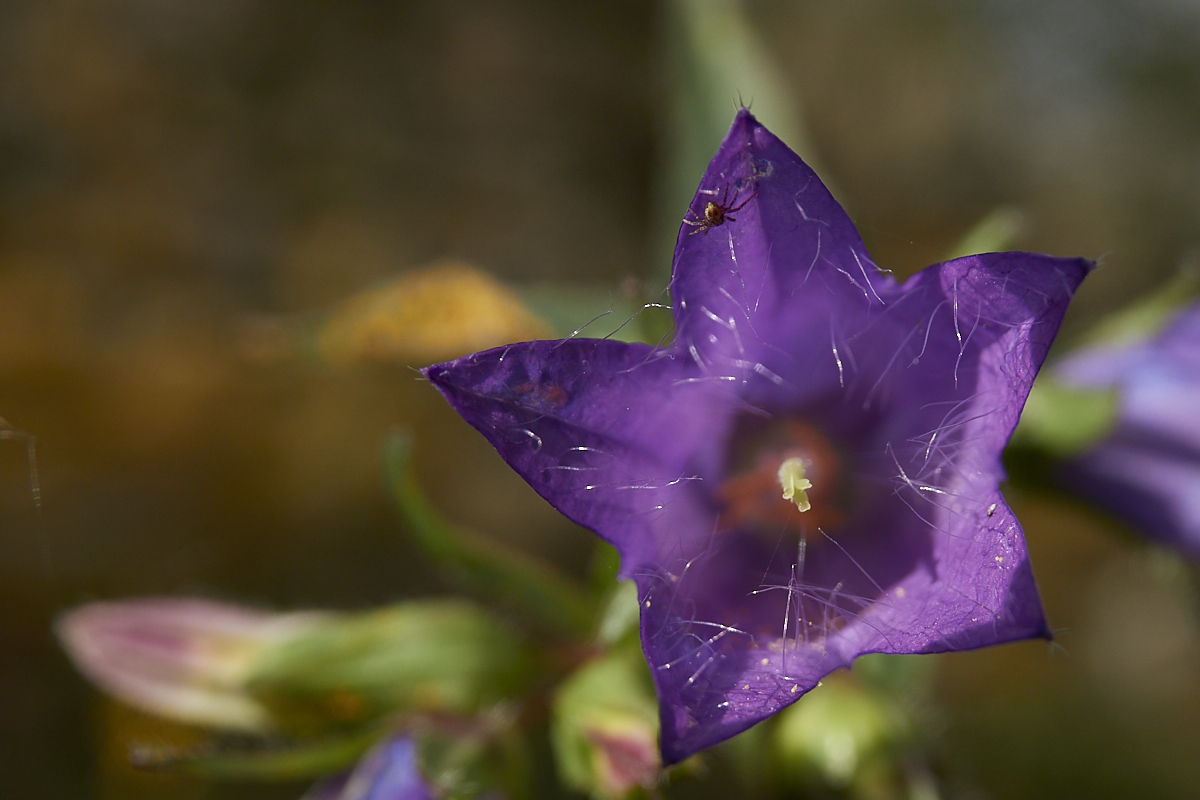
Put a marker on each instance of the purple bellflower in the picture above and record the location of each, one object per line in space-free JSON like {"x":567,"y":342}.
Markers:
{"x":810,"y":471}
{"x":1147,"y":468}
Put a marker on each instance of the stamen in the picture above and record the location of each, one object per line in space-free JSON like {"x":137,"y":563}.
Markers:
{"x":795,"y":485}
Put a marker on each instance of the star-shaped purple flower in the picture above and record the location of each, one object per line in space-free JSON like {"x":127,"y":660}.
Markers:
{"x":810,"y":471}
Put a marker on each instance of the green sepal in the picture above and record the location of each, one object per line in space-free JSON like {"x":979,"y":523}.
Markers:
{"x":1062,"y":420}
{"x":1145,"y":318}
{"x":604,"y":728}
{"x":598,"y":312}
{"x":521,"y":583}
{"x":751,"y":755}
{"x":895,"y":675}
{"x":996,"y":232}
{"x":605,"y":566}
{"x":621,"y":615}
{"x":433,"y":657}
{"x":843,"y":736}
{"x":618,"y":600}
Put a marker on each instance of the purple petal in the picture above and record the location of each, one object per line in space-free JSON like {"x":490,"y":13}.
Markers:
{"x":732,"y":282}
{"x":560,"y":414}
{"x":898,"y":399}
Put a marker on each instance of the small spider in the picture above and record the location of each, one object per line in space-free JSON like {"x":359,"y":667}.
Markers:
{"x":716,"y":213}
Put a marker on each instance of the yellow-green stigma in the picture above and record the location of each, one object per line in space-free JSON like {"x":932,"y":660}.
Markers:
{"x":795,"y":485}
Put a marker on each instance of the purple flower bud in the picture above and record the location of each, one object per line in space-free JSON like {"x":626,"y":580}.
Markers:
{"x":179,"y":658}
{"x":1147,"y":469}
{"x":798,"y":368}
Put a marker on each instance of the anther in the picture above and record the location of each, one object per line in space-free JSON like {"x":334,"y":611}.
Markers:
{"x":795,"y":486}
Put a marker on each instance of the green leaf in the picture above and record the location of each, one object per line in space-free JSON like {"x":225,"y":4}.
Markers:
{"x":521,"y":583}
{"x":274,"y":762}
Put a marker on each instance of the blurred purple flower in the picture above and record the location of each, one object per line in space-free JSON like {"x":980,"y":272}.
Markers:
{"x":1147,"y":469}
{"x":880,"y":408}
{"x":387,"y":772}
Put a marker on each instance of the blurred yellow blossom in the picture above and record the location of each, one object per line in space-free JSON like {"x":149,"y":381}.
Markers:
{"x":444,"y":310}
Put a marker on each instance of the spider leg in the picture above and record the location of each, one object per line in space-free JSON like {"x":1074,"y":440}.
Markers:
{"x":740,"y":205}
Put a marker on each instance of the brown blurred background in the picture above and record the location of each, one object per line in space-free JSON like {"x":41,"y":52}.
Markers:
{"x":170,"y":170}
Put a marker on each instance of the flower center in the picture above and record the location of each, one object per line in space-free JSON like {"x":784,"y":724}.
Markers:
{"x":784,"y":477}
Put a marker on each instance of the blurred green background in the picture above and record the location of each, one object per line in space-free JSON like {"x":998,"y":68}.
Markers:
{"x":172,"y":171}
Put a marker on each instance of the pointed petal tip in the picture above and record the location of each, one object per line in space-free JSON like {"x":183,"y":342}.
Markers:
{"x":442,"y":374}
{"x":744,"y":117}
{"x":675,"y":748}
{"x":1086,"y":266}
{"x":743,"y":132}
{"x":678,"y":742}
